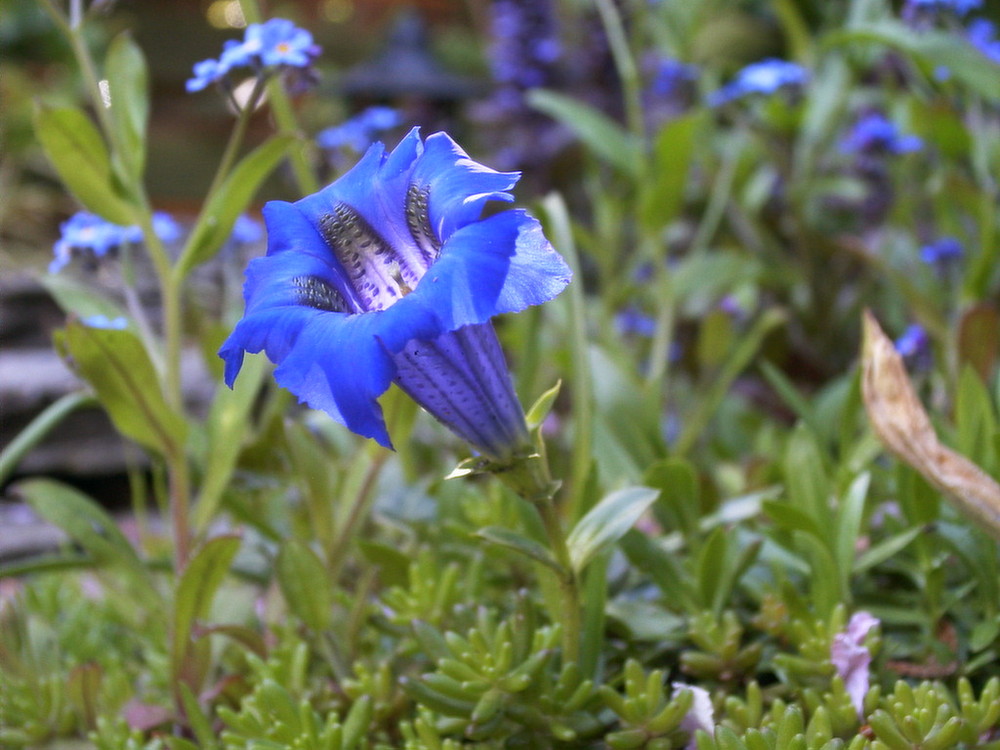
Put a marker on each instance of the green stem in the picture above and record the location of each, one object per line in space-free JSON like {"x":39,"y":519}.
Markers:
{"x":625,"y":65}
{"x":236,"y":137}
{"x":284,"y":114}
{"x":569,"y":614}
{"x":337,"y":553}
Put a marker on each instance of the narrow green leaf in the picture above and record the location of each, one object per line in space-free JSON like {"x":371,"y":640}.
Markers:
{"x":305,"y":585}
{"x":86,"y":523}
{"x":128,"y":100}
{"x":540,"y":409}
{"x":38,"y":428}
{"x":607,"y":522}
{"x":519,"y":543}
{"x":79,"y":155}
{"x":805,"y":476}
{"x":392,"y":563}
{"x":663,"y":190}
{"x":885,"y":550}
{"x":849,"y":516}
{"x":223,"y":208}
{"x":116,"y":365}
{"x":607,"y":139}
{"x":663,"y":568}
{"x":195,"y":591}
{"x":77,"y":298}
{"x":226,"y":427}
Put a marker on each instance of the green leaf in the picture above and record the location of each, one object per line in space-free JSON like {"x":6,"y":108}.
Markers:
{"x":607,"y":522}
{"x":193,"y":597}
{"x":540,"y":409}
{"x":393,"y":564}
{"x":975,"y":420}
{"x":39,"y":427}
{"x":849,"y":517}
{"x":519,"y":543}
{"x":128,"y":96}
{"x":86,"y":523}
{"x":77,"y":298}
{"x":663,"y":190}
{"x":887,"y":548}
{"x":226,"y":427}
{"x":930,"y":49}
{"x":231,"y":199}
{"x":662,"y":567}
{"x":805,"y":476}
{"x":77,"y":151}
{"x":607,"y":139}
{"x":305,"y":584}
{"x":679,"y":505}
{"x":116,"y":365}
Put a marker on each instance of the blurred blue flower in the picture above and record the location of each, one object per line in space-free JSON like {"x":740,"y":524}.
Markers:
{"x":360,"y":131}
{"x":631,"y":321}
{"x":525,"y":42}
{"x":942,"y":253}
{"x":103,"y":321}
{"x":246,"y":231}
{"x":85,"y":231}
{"x":914,"y":346}
{"x":672,"y":76}
{"x":982,"y":34}
{"x":277,"y":43}
{"x":390,"y":275}
{"x":958,"y":7}
{"x":764,"y":77}
{"x":874,"y":134}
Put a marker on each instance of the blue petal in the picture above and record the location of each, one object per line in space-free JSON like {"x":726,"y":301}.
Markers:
{"x":273,"y":331}
{"x":339,"y":366}
{"x":459,"y":187}
{"x":499,"y":265}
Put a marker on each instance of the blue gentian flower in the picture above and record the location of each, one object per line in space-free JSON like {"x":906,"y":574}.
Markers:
{"x":875,"y":134}
{"x":914,"y":346}
{"x":266,"y":47}
{"x":942,"y":253}
{"x":88,"y":232}
{"x":390,"y":275}
{"x":764,"y":77}
{"x":360,"y":131}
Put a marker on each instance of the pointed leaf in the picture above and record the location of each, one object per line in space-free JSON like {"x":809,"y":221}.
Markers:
{"x":603,"y":136}
{"x":231,"y":199}
{"x":663,"y":196}
{"x":195,"y":591}
{"x":77,"y":151}
{"x":607,"y":522}
{"x":86,"y":523}
{"x":128,"y":101}
{"x":305,"y":585}
{"x":512,"y":540}
{"x":116,"y":365}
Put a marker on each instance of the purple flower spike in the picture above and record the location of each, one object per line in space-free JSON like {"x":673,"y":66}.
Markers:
{"x":390,"y":275}
{"x":851,"y":658}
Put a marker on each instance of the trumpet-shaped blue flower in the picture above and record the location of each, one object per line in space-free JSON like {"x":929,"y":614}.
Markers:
{"x":389,"y":275}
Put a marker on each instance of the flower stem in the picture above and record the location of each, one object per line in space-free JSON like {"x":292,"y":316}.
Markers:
{"x":284,"y":115}
{"x":568,"y":615}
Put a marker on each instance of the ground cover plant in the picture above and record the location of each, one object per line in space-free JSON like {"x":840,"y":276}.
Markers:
{"x":660,"y":411}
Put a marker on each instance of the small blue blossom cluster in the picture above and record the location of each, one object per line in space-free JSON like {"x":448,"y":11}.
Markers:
{"x":917,"y":9}
{"x":88,"y":232}
{"x":525,"y":43}
{"x":874,"y":135}
{"x":942,"y":254}
{"x":672,"y":86}
{"x":246,"y":231}
{"x":763,"y":77}
{"x":914,"y":346}
{"x":982,"y":34}
{"x":103,"y":321}
{"x":277,"y":44}
{"x":360,"y":131}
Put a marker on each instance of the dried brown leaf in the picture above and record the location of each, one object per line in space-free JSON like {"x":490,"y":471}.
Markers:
{"x":904,"y":428}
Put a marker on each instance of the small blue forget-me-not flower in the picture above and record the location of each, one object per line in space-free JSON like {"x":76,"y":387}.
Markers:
{"x":763,"y":77}
{"x":389,"y":274}
{"x":275,"y":44}
{"x":874,"y":134}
